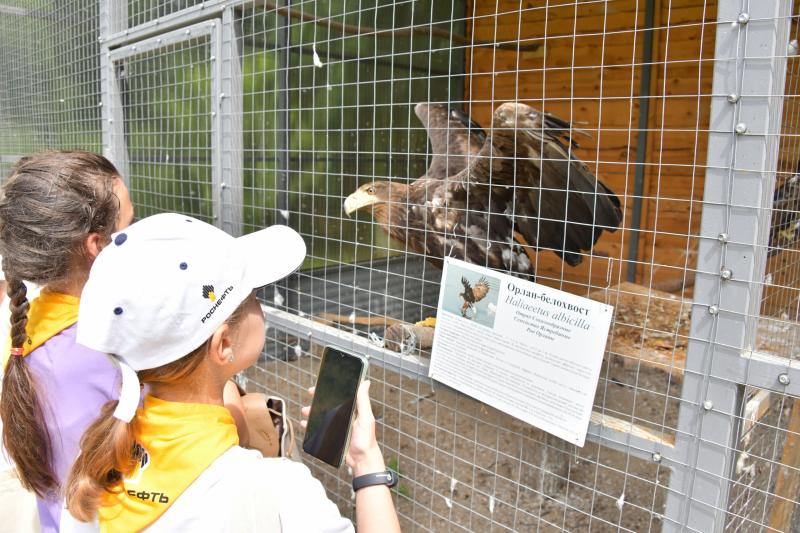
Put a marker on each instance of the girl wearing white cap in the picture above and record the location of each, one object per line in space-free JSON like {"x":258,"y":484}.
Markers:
{"x":172,"y":299}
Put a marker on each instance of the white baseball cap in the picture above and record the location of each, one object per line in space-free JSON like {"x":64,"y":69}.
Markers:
{"x":163,"y":286}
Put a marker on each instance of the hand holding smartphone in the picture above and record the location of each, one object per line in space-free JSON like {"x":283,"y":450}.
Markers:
{"x":331,"y":415}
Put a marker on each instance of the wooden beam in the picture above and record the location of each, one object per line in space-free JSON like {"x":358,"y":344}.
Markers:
{"x":787,"y":486}
{"x":369,"y":321}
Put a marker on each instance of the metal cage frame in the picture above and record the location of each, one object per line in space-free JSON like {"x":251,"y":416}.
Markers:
{"x":742,"y":162}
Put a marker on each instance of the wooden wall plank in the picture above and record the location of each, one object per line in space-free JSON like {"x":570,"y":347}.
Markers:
{"x":588,"y":71}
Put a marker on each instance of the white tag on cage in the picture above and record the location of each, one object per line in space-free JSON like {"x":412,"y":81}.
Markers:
{"x":529,"y":350}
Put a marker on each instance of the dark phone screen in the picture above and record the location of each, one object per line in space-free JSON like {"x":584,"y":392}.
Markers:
{"x":332,"y":407}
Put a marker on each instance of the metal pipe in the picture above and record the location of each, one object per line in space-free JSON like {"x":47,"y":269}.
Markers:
{"x":615,"y":433}
{"x":282,"y":103}
{"x":641,"y":139}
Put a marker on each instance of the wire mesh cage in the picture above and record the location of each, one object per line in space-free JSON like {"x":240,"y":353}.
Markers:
{"x":49,"y":91}
{"x":677,"y":116}
{"x":166,"y":97}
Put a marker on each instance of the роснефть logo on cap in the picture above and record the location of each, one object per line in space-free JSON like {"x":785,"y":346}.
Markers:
{"x":208,"y":292}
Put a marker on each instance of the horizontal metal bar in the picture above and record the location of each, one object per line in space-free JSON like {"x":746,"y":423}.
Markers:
{"x":179,"y":19}
{"x":630,"y":438}
{"x":17,"y":11}
{"x":53,"y":14}
{"x":308,"y":329}
{"x":202,"y":29}
{"x":609,"y":431}
{"x":769,"y":372}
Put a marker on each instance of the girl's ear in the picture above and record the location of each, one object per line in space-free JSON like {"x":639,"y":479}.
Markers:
{"x":220,"y":348}
{"x":93,"y":245}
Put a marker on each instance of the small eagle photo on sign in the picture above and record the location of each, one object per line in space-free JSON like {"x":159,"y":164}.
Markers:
{"x":471,"y":295}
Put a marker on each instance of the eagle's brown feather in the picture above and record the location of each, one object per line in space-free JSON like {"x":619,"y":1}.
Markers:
{"x":481,"y":289}
{"x":524,"y":185}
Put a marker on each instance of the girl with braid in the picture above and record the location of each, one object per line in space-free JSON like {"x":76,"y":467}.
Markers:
{"x":58,"y":210}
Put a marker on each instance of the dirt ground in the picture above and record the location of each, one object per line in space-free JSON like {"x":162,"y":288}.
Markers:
{"x":465,"y":466}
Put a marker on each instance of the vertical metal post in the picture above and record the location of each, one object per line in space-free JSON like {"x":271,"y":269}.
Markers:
{"x":749,"y":74}
{"x":215,"y":102}
{"x":230,"y":109}
{"x":457,"y":57}
{"x":282,"y":123}
{"x":113,"y":19}
{"x":641,"y":140}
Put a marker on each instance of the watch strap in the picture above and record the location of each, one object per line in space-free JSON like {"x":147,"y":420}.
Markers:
{"x":388,"y":478}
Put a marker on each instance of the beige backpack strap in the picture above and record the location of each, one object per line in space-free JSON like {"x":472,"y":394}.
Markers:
{"x":277,"y":410}
{"x":270,"y":429}
{"x":264,"y":435}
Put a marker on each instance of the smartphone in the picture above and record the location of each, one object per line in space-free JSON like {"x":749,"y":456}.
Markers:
{"x":331,"y":417}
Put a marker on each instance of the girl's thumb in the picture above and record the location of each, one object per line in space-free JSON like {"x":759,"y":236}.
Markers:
{"x":362,"y":399}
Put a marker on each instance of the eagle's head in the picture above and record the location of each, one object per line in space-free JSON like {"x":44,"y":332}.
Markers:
{"x":369,"y":195}
{"x":423,"y":111}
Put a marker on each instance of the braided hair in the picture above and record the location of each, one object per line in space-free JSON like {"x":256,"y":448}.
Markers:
{"x":50,"y":204}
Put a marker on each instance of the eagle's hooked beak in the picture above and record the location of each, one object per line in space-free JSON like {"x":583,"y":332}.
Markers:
{"x":358,"y":200}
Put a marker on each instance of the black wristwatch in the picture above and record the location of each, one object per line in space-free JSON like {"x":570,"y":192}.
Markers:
{"x":388,"y":478}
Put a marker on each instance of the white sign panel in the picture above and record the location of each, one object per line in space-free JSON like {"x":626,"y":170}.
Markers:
{"x":526,"y":349}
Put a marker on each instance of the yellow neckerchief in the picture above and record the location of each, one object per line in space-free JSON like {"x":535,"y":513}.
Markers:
{"x":49,"y":314}
{"x":180,"y":440}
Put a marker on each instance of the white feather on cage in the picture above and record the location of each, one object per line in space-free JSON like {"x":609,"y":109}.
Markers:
{"x":375,"y":339}
{"x":277,"y":298}
{"x":317,"y":61}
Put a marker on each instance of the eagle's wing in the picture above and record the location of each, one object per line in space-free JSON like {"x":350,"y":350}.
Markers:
{"x":453,"y":136}
{"x":467,"y":286}
{"x":481,"y":289}
{"x":527,"y":171}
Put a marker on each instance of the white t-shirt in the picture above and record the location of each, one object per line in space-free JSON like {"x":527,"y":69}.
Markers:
{"x":244,"y":492}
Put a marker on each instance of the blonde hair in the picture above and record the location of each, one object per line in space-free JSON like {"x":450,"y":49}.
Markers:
{"x":108,"y":448}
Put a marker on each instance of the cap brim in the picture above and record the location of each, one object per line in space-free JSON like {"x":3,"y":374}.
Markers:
{"x":271,"y":254}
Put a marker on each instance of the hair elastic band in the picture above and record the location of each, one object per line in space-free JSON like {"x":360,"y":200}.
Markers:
{"x":129,"y":393}
{"x":19,"y":352}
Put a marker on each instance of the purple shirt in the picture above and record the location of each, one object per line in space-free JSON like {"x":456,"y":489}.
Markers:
{"x":74,"y":383}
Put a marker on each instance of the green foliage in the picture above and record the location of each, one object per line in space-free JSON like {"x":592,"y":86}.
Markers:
{"x":311,"y":135}
{"x":347,"y":122}
{"x":401,"y":488}
{"x":49,"y":78}
{"x":168,"y":129}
